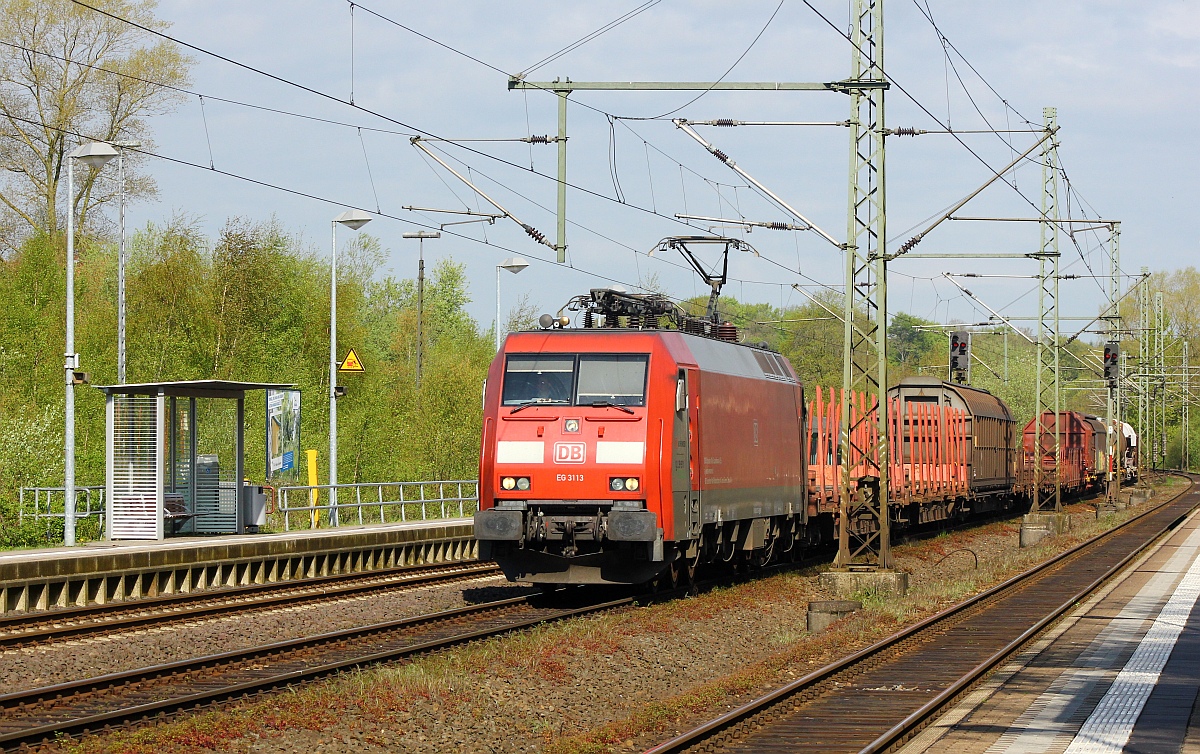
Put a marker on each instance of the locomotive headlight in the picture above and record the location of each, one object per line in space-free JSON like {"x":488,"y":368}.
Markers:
{"x":631,"y":484}
{"x":617,"y":484}
{"x":508,"y":483}
{"x":523,"y":483}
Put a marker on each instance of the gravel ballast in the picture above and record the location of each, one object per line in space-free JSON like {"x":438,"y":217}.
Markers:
{"x":69,"y":660}
{"x":619,"y":681}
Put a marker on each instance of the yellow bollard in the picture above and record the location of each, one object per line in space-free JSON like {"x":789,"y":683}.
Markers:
{"x":312,"y":482}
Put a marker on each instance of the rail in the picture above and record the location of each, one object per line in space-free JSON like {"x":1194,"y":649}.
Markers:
{"x":373,"y":502}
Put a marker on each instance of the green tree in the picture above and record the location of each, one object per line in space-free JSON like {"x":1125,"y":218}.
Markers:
{"x":65,"y":70}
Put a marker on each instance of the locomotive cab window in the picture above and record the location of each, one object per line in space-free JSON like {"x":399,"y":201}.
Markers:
{"x":581,"y":380}
{"x":538,"y":378}
{"x":619,"y":379}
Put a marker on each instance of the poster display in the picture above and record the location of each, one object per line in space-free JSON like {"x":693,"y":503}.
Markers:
{"x":283,"y":435}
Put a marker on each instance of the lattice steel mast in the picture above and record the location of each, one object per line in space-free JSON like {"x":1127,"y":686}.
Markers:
{"x":1115,"y":430}
{"x":1047,"y":387}
{"x":864,"y":488}
{"x":1145,"y":427}
{"x":1185,"y":418}
{"x":1160,"y":379}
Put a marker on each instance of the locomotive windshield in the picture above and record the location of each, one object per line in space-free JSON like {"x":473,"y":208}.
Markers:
{"x":580,"y":380}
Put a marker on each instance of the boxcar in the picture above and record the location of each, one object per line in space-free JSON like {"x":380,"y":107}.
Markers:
{"x":1096,"y":443}
{"x":1075,"y":442}
{"x":990,"y":428}
{"x":1129,"y":452}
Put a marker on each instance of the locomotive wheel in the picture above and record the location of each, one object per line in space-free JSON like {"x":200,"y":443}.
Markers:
{"x":673,"y":570}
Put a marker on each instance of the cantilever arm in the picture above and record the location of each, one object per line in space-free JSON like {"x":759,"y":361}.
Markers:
{"x":533,"y":232}
{"x":682,"y":125}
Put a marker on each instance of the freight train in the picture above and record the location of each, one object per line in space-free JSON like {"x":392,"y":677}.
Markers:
{"x":622,"y":451}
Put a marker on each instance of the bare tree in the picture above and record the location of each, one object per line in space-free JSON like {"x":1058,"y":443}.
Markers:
{"x":69,"y":74}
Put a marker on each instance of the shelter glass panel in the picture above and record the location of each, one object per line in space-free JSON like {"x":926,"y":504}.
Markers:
{"x":216,"y":482}
{"x":133,"y":497}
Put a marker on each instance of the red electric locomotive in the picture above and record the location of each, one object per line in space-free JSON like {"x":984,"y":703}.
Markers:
{"x":617,"y":453}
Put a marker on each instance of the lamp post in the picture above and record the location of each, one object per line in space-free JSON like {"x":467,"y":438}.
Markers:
{"x":352,"y":219}
{"x":121,"y":146}
{"x":421,"y":236}
{"x":513,"y":265}
{"x":94,"y":155}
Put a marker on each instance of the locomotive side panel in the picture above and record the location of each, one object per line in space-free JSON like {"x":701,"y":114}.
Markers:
{"x":750,"y":450}
{"x":751,"y":411}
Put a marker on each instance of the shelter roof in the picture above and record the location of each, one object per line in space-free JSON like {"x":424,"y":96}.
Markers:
{"x":193,"y":388}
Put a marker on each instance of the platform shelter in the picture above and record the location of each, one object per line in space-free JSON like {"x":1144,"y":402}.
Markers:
{"x":175,"y":457}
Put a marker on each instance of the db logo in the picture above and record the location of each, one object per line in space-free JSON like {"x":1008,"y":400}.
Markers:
{"x":570,"y":452}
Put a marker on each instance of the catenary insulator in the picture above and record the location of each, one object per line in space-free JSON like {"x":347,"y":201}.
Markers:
{"x":725,"y":122}
{"x":908,"y":245}
{"x":534,"y":233}
{"x":720,"y":155}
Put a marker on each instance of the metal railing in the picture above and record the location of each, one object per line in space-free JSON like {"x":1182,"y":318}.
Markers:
{"x":373,"y":502}
{"x":41,"y":502}
{"x":50,"y":503}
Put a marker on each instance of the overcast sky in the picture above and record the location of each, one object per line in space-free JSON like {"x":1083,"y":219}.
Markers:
{"x":1121,"y":75}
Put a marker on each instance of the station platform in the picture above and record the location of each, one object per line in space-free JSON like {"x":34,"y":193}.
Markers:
{"x":1120,"y":673}
{"x":119,"y":571}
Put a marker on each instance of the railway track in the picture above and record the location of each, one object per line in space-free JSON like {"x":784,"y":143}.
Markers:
{"x":38,"y":716}
{"x":878,"y":698}
{"x":73,"y":623}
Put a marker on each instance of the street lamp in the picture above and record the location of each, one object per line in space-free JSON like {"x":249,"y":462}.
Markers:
{"x":121,"y":146}
{"x":513,"y":265}
{"x":421,"y":236}
{"x":94,"y":155}
{"x":352,"y":219}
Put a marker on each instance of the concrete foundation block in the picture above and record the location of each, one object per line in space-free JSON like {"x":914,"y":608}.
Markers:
{"x":848,"y":583}
{"x":821,"y":614}
{"x":1037,"y":526}
{"x":1139,"y":495}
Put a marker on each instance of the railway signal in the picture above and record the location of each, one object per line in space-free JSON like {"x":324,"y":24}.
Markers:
{"x":1112,"y":363}
{"x":960,"y":356}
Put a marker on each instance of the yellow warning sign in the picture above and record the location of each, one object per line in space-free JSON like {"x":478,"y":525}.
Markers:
{"x":352,"y":363}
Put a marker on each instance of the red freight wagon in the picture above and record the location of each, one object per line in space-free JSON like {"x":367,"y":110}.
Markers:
{"x":611,"y":455}
{"x":1077,"y":439}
